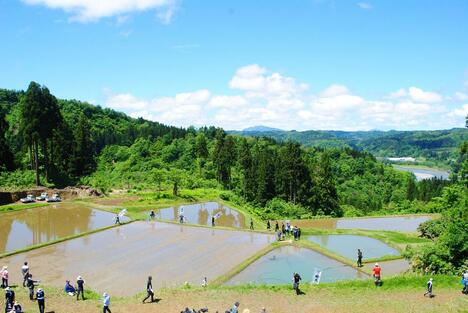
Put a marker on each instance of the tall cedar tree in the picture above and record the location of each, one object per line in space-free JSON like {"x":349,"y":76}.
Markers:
{"x":6,"y":157}
{"x":83,"y":148}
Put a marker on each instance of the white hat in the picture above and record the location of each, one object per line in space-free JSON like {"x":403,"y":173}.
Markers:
{"x":430,"y":279}
{"x":105,"y":294}
{"x":79,"y":277}
{"x":40,"y":289}
{"x":376,"y":264}
{"x":7,"y":288}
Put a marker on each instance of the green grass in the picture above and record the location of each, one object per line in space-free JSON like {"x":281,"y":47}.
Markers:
{"x":21,"y":206}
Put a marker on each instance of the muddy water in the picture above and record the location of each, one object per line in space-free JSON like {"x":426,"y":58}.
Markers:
{"x":24,"y":228}
{"x":347,"y":245}
{"x":393,"y":223}
{"x":201,"y":213}
{"x":119,"y":260}
{"x":278,"y":266}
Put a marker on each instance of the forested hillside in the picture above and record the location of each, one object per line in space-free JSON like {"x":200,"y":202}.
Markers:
{"x":47,"y":141}
{"x":439,"y":146}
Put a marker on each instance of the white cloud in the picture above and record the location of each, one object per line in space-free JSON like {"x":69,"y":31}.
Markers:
{"x":420,"y":95}
{"x":334,"y":90}
{"x":262,"y":97}
{"x":460,"y":96}
{"x":364,"y":5}
{"x":93,"y":10}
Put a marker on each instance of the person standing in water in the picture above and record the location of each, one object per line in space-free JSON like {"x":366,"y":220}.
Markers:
{"x":80,"y":288}
{"x":25,"y":273}
{"x":359,"y":258}
{"x":40,"y":297}
{"x":106,"y":303}
{"x":149,"y":290}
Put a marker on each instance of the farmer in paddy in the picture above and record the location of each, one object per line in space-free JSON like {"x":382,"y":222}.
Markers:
{"x":359,"y":258}
{"x":149,"y":290}
{"x":80,"y":288}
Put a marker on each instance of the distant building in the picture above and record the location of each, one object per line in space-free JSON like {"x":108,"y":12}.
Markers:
{"x":403,"y":159}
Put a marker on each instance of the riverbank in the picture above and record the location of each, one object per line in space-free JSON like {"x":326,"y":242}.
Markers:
{"x":400,"y":294}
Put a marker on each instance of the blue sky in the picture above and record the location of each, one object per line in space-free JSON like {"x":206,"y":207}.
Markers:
{"x":293,"y":64}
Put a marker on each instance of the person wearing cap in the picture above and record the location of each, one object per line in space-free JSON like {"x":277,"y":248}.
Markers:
{"x":40,"y":297}
{"x":30,"y":283}
{"x":25,"y":273}
{"x":80,"y":288}
{"x":4,"y":274}
{"x":376,"y":272}
{"x":429,"y":288}
{"x":106,"y":303}
{"x":149,"y":290}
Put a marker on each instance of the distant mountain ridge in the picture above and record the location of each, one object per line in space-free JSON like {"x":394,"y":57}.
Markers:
{"x":261,"y":128}
{"x":440,"y":146}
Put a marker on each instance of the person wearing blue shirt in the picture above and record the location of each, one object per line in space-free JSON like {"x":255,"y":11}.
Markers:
{"x":40,"y":297}
{"x":429,"y":288}
{"x":69,"y":288}
{"x":106,"y":303}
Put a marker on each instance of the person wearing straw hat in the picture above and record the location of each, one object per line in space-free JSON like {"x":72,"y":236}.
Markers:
{"x":40,"y":297}
{"x":16,"y":308}
{"x":106,"y":303}
{"x":80,"y":288}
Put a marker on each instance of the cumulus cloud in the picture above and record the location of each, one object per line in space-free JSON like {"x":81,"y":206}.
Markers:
{"x":263,"y":97}
{"x":93,"y":10}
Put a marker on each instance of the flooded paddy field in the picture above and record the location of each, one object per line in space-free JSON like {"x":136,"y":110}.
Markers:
{"x":120,"y":259}
{"x":20,"y":229}
{"x":391,"y":223}
{"x":201,"y":213}
{"x":347,"y":245}
{"x":278,"y":266}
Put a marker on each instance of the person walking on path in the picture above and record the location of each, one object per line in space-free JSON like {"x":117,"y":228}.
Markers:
{"x":359,"y":258}
{"x":276,"y":227}
{"x":296,"y":281}
{"x":25,"y":273}
{"x":40,"y":297}
{"x":429,"y":288}
{"x":235,"y":308}
{"x":80,"y":288}
{"x":30,"y":283}
{"x":4,"y":274}
{"x":106,"y":303}
{"x":149,"y":290}
{"x":376,"y":272}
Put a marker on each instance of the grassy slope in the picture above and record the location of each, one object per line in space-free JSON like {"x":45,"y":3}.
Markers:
{"x":400,"y":294}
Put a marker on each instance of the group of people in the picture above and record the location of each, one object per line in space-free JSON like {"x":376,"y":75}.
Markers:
{"x":285,"y":230}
